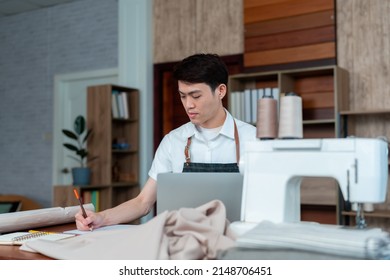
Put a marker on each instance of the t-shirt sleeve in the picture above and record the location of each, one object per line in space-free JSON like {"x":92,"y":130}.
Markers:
{"x":162,"y":162}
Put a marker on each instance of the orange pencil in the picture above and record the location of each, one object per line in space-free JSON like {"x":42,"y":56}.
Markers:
{"x":81,"y":205}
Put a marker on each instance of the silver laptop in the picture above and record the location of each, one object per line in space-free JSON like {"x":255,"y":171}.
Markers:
{"x":177,"y":190}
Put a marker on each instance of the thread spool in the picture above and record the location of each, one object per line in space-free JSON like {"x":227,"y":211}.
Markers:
{"x":368,"y":207}
{"x":267,"y":118}
{"x":290,"y":119}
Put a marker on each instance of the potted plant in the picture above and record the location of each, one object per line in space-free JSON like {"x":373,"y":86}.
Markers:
{"x":81,"y":174}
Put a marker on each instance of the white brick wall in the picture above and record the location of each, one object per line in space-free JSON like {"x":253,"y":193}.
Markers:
{"x":34,"y":47}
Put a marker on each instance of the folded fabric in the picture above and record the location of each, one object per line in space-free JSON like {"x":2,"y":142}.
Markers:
{"x":187,"y":233}
{"x":328,"y":239}
{"x":196,"y":233}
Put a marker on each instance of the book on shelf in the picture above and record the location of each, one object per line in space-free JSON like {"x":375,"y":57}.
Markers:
{"x":92,"y":196}
{"x":114,"y":105}
{"x":120,"y":105}
{"x":254,"y":97}
{"x":247,"y":106}
{"x":95,"y":194}
{"x":267,"y":92}
{"x":87,"y":197}
{"x":244,"y":103}
{"x":125,"y":104}
{"x":233,"y":104}
{"x":276,"y":96}
{"x":237,"y":105}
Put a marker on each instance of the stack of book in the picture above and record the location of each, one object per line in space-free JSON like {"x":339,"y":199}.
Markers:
{"x":244,"y":103}
{"x":120,"y":105}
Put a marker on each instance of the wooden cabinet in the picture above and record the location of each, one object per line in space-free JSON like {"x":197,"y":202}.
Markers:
{"x":324,"y":93}
{"x":115,"y":144}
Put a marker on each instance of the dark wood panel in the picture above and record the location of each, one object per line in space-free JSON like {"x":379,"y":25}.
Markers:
{"x":324,"y":214}
{"x":318,"y":114}
{"x":291,"y":39}
{"x":317,"y":100}
{"x":257,"y":3}
{"x":291,"y":65}
{"x":285,"y":9}
{"x":310,"y":52}
{"x":320,"y":19}
{"x":326,"y":130}
{"x":314,"y":84}
{"x":265,"y":84}
{"x":168,"y":86}
{"x":99,"y":121}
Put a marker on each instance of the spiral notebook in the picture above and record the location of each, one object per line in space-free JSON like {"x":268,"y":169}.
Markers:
{"x":19,"y":238}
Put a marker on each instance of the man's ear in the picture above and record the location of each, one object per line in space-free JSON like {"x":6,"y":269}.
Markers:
{"x":221,"y":91}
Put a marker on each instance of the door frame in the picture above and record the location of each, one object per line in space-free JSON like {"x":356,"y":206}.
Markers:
{"x":61,"y":83}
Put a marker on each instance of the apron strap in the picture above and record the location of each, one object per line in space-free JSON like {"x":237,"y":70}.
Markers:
{"x":236,"y":140}
{"x":187,"y":150}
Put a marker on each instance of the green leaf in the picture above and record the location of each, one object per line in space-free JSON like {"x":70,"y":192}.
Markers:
{"x":87,"y":135}
{"x":82,"y":153}
{"x":79,"y":125}
{"x":71,"y":147}
{"x":70,"y":134}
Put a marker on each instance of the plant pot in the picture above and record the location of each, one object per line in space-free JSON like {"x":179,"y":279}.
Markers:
{"x":81,"y":176}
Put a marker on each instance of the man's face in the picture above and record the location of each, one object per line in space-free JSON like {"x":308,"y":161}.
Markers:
{"x":201,"y":104}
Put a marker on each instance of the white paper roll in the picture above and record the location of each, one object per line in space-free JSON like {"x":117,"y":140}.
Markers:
{"x":29,"y":219}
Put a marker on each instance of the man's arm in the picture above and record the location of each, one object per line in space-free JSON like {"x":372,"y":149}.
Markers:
{"x":123,"y":213}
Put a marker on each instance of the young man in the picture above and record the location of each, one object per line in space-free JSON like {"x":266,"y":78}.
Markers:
{"x":210,"y":142}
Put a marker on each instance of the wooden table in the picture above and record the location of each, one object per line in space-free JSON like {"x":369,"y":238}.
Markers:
{"x":9,"y":252}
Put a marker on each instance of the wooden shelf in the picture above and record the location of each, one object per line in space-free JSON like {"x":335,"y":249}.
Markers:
{"x":314,"y":122}
{"x":324,"y":93}
{"x":115,"y":172}
{"x":377,"y":214}
{"x":365,"y":112}
{"x":124,"y":151}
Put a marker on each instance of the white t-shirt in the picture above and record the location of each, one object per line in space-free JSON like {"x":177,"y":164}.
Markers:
{"x":170,"y":156}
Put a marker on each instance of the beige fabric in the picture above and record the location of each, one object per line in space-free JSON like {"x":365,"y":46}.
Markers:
{"x":188,"y":233}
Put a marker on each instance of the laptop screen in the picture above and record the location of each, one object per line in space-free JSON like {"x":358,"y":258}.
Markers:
{"x":190,"y":190}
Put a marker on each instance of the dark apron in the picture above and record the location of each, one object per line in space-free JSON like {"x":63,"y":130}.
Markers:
{"x":212,"y":167}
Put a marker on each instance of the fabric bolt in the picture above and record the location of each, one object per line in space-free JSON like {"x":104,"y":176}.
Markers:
{"x":187,"y":233}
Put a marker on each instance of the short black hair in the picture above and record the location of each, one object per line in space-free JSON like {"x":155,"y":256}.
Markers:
{"x":202,"y":68}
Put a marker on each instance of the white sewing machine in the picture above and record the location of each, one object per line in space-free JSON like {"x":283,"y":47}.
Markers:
{"x":273,"y":170}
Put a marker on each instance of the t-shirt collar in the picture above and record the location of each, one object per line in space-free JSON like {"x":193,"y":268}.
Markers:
{"x":227,"y":128}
